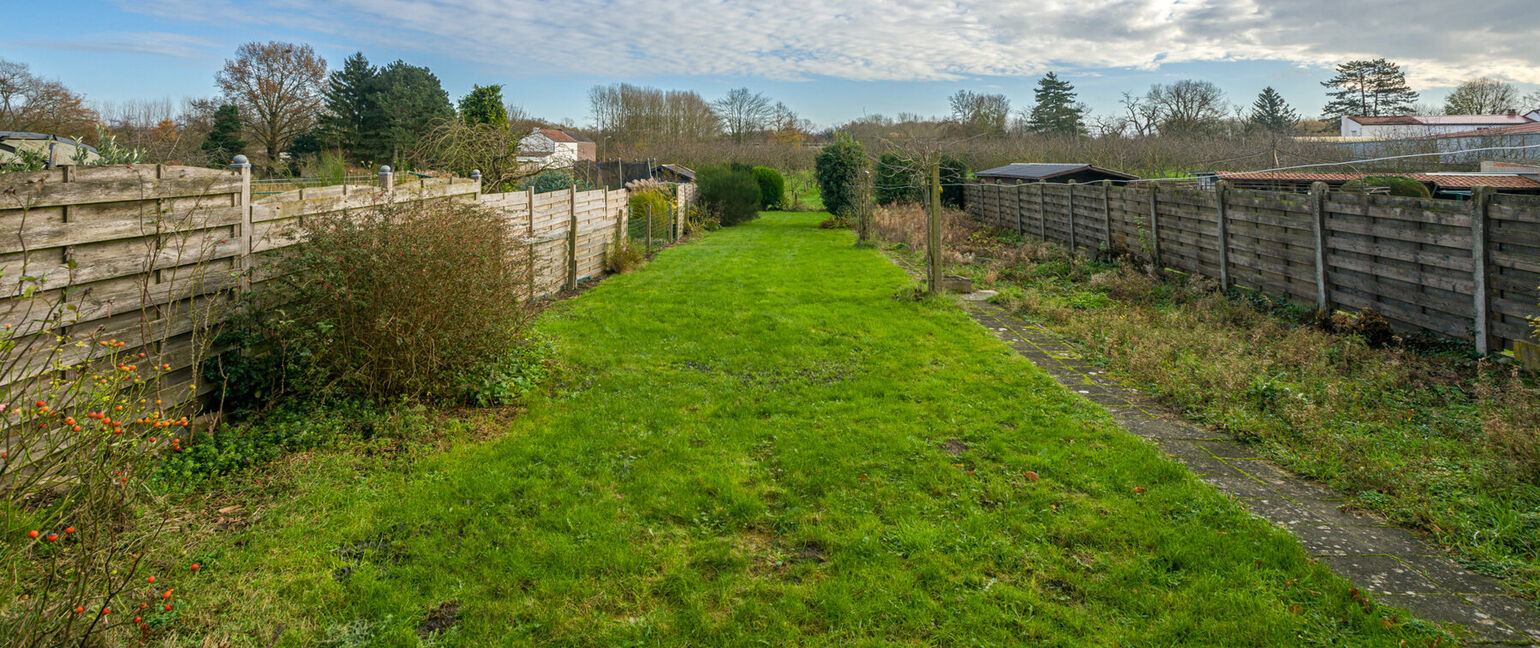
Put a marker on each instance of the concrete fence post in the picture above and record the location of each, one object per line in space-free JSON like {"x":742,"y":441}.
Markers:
{"x":244,"y":166}
{"x":1155,"y":226}
{"x":387,"y":179}
{"x":1221,"y":194}
{"x":1069,"y":197}
{"x":1481,"y":201}
{"x":572,"y":238}
{"x":1318,"y":213}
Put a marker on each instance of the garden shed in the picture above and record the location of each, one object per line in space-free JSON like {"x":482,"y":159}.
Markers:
{"x":1020,"y":173}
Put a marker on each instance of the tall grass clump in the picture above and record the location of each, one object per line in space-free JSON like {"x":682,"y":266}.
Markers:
{"x":400,"y":300}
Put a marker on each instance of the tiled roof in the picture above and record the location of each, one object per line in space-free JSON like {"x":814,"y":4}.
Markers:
{"x":1449,"y":180}
{"x":557,"y":135}
{"x":1400,"y":120}
{"x":1442,"y":120}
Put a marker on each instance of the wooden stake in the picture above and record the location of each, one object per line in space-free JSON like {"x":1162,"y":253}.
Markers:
{"x":1221,"y":191}
{"x":1318,"y":217}
{"x":933,"y":229}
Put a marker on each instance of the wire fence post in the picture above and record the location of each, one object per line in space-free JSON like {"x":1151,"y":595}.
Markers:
{"x":572,"y":238}
{"x":1042,"y":210}
{"x":933,"y":229}
{"x":649,"y":230}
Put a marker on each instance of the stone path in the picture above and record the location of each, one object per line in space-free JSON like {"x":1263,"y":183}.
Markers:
{"x":1397,"y":565}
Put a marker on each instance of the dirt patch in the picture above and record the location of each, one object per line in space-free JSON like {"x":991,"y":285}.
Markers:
{"x":813,"y":552}
{"x":438,"y":620}
{"x":954,"y":447}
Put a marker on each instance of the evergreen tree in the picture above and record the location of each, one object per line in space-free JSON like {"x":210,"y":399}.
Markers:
{"x":1056,"y":112}
{"x":1369,"y":88}
{"x":1271,"y":113}
{"x":347,"y":103}
{"x":484,"y":105}
{"x":403,"y":101}
{"x":224,"y":140}
{"x":838,"y":166}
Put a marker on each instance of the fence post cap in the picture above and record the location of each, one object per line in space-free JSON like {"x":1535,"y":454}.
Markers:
{"x":476,"y":174}
{"x":384,"y":168}
{"x":240,"y":162}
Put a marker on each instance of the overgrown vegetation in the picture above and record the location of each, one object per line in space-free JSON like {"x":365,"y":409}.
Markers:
{"x":400,"y":300}
{"x":1414,"y":429}
{"x":1393,"y":185}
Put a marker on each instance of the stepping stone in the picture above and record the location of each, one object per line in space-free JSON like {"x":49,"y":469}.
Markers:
{"x":1381,"y":574}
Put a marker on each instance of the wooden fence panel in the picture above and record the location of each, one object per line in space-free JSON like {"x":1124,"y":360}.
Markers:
{"x":1413,"y":260}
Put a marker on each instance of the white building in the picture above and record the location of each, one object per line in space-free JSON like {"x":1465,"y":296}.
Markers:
{"x":554,"y":148}
{"x":1411,"y":126}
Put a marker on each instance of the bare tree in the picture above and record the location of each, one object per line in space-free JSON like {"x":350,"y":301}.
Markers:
{"x":1142,"y":114}
{"x":981,"y":114}
{"x":31,"y":103}
{"x":1188,"y":106}
{"x":278,"y":88}
{"x":1484,"y":96}
{"x":743,"y":112}
{"x":629,"y":114}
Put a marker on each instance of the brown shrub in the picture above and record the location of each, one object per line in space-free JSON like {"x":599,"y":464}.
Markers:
{"x":405,"y":298}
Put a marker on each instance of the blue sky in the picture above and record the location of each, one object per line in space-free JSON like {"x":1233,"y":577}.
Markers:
{"x":829,"y":62}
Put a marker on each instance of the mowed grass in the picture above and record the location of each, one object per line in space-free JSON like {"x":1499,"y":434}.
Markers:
{"x":756,"y":443}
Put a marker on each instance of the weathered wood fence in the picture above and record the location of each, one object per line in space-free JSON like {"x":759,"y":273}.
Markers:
{"x":1465,"y":269}
{"x":148,"y":254}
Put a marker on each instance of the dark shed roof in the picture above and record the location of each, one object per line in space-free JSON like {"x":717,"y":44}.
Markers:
{"x":1047,"y":171}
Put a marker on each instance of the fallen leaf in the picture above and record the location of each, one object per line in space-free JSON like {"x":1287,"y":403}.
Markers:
{"x":1031,"y":476}
{"x":1138,"y":489}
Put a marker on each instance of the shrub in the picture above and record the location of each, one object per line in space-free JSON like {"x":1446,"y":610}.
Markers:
{"x":731,"y":195}
{"x":1397,"y":185}
{"x":838,"y":166}
{"x":547,"y":181}
{"x":624,"y":255}
{"x":953,"y":174}
{"x":402,"y":299}
{"x":772,"y":187}
{"x":80,"y":526}
{"x":901,"y":179}
{"x":661,"y":205}
{"x":898,"y":180}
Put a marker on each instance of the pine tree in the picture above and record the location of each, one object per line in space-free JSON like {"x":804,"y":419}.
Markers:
{"x":484,"y":105}
{"x":347,"y":103}
{"x":402,"y":101}
{"x":1369,"y":88}
{"x":1056,"y":112}
{"x":1271,"y":113}
{"x":224,"y":139}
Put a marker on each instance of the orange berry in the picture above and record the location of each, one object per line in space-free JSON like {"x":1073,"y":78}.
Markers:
{"x":168,"y":606}
{"x":79,"y":609}
{"x":32,"y":534}
{"x":69,"y":529}
{"x":136,"y":619}
{"x":42,"y":404}
{"x":195,"y":566}
{"x":106,"y":610}
{"x":150,"y":579}
{"x":52,"y":537}
{"x":167,"y":594}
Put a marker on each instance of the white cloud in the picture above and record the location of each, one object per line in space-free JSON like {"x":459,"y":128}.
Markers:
{"x":916,"y":39}
{"x":157,"y":43}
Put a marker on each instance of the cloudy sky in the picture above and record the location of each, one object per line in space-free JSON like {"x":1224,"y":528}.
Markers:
{"x":831,"y":61}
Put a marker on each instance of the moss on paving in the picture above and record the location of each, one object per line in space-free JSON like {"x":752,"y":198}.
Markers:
{"x":755,"y":442}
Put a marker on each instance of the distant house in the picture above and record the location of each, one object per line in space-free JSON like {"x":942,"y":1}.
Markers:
{"x":555,"y":148}
{"x":55,"y":151}
{"x":1440,"y":184}
{"x":1409,"y":126}
{"x":1021,"y":173}
{"x":673,"y":173}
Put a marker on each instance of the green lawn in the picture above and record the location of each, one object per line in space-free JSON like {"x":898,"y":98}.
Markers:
{"x":756,"y":443}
